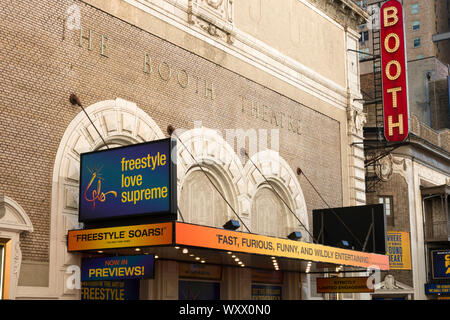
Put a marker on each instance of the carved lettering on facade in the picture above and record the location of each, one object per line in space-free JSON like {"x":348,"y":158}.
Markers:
{"x":203,"y":87}
{"x":88,"y":35}
{"x":270,"y":114}
{"x":167,"y":73}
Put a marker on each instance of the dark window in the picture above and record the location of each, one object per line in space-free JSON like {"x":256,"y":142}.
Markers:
{"x":388,"y":208}
{"x":416,"y":42}
{"x":416,"y":25}
{"x":364,"y":36}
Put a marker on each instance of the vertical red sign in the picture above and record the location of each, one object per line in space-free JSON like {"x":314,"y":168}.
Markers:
{"x":393,"y":62}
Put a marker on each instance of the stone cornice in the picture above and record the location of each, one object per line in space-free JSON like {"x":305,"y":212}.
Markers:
{"x":344,"y":12}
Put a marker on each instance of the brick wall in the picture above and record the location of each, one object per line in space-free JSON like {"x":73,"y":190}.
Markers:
{"x":438,"y":91}
{"x":398,"y":189}
{"x":42,"y":63}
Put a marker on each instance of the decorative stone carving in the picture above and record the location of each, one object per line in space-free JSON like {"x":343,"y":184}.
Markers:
{"x":385,"y":168}
{"x":13,"y":217}
{"x":356,"y":120}
{"x":13,"y":222}
{"x":400,"y":162}
{"x":342,"y":11}
{"x":213,"y":16}
{"x":389,"y":282}
{"x":71,"y":197}
{"x":17,"y":260}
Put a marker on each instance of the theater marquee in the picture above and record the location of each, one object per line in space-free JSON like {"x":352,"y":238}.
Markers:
{"x":191,"y":235}
{"x":214,"y":238}
{"x":393,"y":61}
{"x":120,"y":237}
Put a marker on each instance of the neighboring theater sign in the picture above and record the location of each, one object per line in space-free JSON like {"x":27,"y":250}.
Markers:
{"x":440,"y":270}
{"x":128,"y":182}
{"x":345,"y":285}
{"x":440,"y":261}
{"x":437,"y":289}
{"x":393,"y":62}
{"x":398,"y":250}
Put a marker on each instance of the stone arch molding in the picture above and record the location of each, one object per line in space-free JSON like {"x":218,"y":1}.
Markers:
{"x":13,"y":221}
{"x":13,"y":217}
{"x":120,"y":122}
{"x":213,"y":153}
{"x":209,"y":148}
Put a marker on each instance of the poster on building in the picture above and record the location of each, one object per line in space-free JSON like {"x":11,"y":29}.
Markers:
{"x":266,"y":292}
{"x":437,"y":289}
{"x":440,"y":260}
{"x":128,"y":181}
{"x":110,"y":290}
{"x":398,"y":250}
{"x":118,"y":268}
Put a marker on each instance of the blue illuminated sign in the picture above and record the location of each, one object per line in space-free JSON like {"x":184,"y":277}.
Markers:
{"x":118,"y":268}
{"x":437,"y":288}
{"x":441,"y":264}
{"x":128,"y":181}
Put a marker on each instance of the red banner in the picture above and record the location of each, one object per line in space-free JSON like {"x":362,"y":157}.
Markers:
{"x":393,"y":62}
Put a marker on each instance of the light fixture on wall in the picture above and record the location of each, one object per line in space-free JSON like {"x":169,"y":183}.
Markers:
{"x":344,"y":244}
{"x":296,"y":235}
{"x":231,"y":225}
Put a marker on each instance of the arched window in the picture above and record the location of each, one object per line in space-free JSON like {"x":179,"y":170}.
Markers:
{"x":275,"y":197}
{"x":270,"y":216}
{"x":200,"y":202}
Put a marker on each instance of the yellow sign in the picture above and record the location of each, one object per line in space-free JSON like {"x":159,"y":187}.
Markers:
{"x":343,"y":285}
{"x":120,"y":237}
{"x":207,"y":237}
{"x":398,"y":250}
